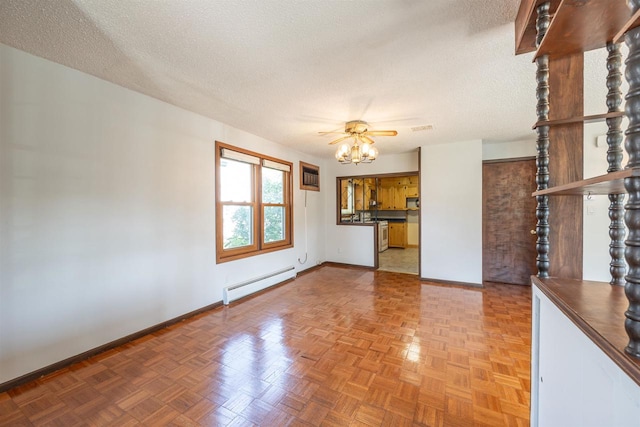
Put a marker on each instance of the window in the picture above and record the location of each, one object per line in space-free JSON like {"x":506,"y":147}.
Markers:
{"x":253,"y":203}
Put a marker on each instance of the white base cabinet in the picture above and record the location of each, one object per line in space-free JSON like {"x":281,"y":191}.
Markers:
{"x":573,"y":382}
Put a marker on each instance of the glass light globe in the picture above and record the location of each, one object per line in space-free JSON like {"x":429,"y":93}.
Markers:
{"x":366,"y":148}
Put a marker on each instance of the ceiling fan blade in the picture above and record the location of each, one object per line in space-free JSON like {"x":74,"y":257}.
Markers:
{"x":339,"y":139}
{"x":328,"y":132}
{"x":365,"y":138}
{"x":381,"y":133}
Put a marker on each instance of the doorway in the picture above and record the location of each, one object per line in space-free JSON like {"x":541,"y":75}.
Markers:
{"x":508,"y":221}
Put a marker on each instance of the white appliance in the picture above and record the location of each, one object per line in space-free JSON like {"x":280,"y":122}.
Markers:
{"x":383,"y":236}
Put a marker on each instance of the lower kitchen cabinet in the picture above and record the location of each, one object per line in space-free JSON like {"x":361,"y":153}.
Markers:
{"x":397,"y":235}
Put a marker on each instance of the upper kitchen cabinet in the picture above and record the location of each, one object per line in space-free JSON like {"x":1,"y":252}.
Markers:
{"x":412,"y":187}
{"x":394,"y":191}
{"x":392,"y":194}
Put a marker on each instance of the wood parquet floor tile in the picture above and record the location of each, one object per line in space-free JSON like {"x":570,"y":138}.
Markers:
{"x":335,"y":347}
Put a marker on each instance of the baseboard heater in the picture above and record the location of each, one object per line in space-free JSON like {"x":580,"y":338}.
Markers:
{"x":248,"y":287}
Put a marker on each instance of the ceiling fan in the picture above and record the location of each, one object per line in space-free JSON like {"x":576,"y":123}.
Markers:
{"x":359,"y":130}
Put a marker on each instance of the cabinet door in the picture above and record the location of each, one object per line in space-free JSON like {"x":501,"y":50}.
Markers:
{"x":393,"y":234}
{"x":383,"y":197}
{"x":397,"y":235}
{"x":386,"y":196}
{"x":412,"y":186}
{"x":412,"y":191}
{"x":400,"y":198}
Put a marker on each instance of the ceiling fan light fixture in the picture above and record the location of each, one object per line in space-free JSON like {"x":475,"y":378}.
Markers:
{"x":356,"y":153}
{"x":362,"y":150}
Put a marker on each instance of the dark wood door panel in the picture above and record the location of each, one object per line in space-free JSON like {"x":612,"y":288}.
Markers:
{"x":508,"y":216}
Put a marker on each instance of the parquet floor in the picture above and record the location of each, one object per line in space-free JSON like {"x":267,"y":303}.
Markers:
{"x":335,"y":347}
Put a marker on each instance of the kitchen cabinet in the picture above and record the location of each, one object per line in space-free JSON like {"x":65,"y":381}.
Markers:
{"x":386,"y":194}
{"x":393,"y":194}
{"x":412,"y":186}
{"x":399,"y":197}
{"x":397,"y":235}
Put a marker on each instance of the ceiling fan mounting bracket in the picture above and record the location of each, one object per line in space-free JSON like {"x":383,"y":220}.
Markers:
{"x":356,"y":127}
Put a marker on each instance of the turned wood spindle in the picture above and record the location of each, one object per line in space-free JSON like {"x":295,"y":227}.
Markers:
{"x":632,"y":185}
{"x":617,"y":266}
{"x":542,"y":145}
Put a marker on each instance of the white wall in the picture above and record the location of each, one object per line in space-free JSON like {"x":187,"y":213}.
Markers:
{"x":107,"y":213}
{"x":353,"y":244}
{"x":495,"y":150}
{"x":596,"y":238}
{"x":451,"y":209}
{"x":596,"y":209}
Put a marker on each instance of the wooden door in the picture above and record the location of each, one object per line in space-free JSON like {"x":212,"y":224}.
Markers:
{"x":508,"y":217}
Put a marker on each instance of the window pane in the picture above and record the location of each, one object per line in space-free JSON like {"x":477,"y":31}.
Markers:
{"x":272,"y":186}
{"x":237,"y":226}
{"x":273,"y":223}
{"x":235,"y":181}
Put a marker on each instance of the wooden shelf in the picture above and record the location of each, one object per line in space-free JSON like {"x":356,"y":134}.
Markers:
{"x":575,"y":27}
{"x":584,"y":119}
{"x":582,"y":26}
{"x":611,"y":183}
{"x":597,"y":309}
{"x":526,"y":24}
{"x":632,"y":23}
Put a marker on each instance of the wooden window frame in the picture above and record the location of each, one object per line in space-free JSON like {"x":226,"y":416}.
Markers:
{"x":259,"y":246}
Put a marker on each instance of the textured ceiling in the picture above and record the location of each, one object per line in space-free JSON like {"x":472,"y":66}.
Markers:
{"x":287,"y":69}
